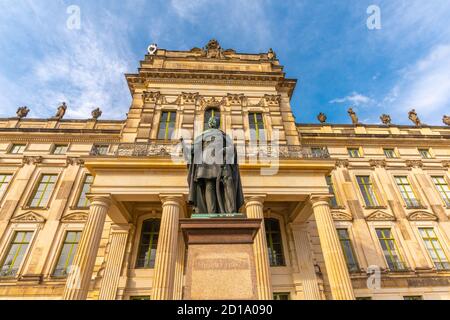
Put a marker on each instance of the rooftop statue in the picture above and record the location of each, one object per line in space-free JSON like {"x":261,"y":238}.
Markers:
{"x":22,"y":112}
{"x":214,"y":179}
{"x":446,"y":120}
{"x":61,"y":111}
{"x":353,"y":116}
{"x":412,"y":115}
{"x":386,"y":119}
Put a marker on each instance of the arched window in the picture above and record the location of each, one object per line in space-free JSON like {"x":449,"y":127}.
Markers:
{"x":274,"y":242}
{"x":215,"y":112}
{"x":148,"y":244}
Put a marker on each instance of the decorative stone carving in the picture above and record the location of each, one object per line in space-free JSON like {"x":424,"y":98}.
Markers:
{"x":386,"y":119}
{"x":341,"y":216}
{"x":22,"y":112}
{"x":446,"y":120}
{"x":75,"y":217}
{"x":32,"y":160}
{"x":271,"y":100}
{"x":422,"y":216}
{"x":446,"y":164}
{"x":378,"y":163}
{"x":189,"y":98}
{"x":412,"y":115}
{"x":342,"y":163}
{"x":96,"y":113}
{"x":235,"y":99}
{"x":61,"y":111}
{"x":74,"y":161}
{"x":151,"y":96}
{"x":322,"y":117}
{"x":214,"y":50}
{"x":28,"y":217}
{"x":380,"y":216}
{"x":152,"y":49}
{"x":271,"y":55}
{"x":353,"y":116}
{"x":414,"y":163}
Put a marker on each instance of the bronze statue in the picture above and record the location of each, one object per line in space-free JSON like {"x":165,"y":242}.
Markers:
{"x":412,"y":115}
{"x":386,"y":119}
{"x":61,"y":111}
{"x":322,"y":117}
{"x":446,"y":120}
{"x":22,"y":112}
{"x":96,"y":113}
{"x":214,"y":178}
{"x":353,"y":116}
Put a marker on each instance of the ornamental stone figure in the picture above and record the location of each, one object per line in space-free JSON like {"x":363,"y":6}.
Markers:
{"x":353,"y":116}
{"x":412,"y":115}
{"x":22,"y":112}
{"x":446,"y":120}
{"x":386,"y":119}
{"x":213,"y":49}
{"x":96,"y":113}
{"x":322,"y":117}
{"x":271,"y":55}
{"x":61,"y":111}
{"x":214,"y":179}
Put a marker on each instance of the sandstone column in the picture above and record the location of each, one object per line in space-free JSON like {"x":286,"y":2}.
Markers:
{"x":179,"y":269}
{"x":338,"y":275}
{"x":110,"y":281}
{"x":77,"y":285}
{"x":254,"y":206}
{"x":166,"y":254}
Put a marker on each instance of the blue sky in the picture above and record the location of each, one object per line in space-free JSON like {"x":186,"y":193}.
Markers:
{"x":326,"y":45}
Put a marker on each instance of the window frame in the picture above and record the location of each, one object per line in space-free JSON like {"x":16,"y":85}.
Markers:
{"x":350,"y":240}
{"x":394,"y":151}
{"x":166,"y":137}
{"x":12,"y":145}
{"x":332,"y":186}
{"x":257,"y":134}
{"x":379,"y":200}
{"x":138,"y":244}
{"x":56,"y":145}
{"x":214,"y":109}
{"x":37,"y":181}
{"x":435,"y":227}
{"x":96,"y":146}
{"x":428,"y":150}
{"x":282,"y":244}
{"x":79,"y":191}
{"x":59,"y":252}
{"x":398,"y":246}
{"x":414,"y":190}
{"x":447,"y":182}
{"x":5,"y":193}
{"x":358,"y":149}
{"x":288,"y":294}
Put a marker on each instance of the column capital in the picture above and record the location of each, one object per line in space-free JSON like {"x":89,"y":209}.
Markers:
{"x":121,"y":228}
{"x":320,"y":199}
{"x":172,"y":199}
{"x":255,"y":199}
{"x":99,"y":199}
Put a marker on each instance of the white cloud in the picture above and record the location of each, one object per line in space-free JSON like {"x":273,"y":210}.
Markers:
{"x":355,"y":99}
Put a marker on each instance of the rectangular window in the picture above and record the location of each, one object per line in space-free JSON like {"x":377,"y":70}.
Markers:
{"x":368,"y":192}
{"x":257,"y":131}
{"x":333,"y":200}
{"x":354,"y":153}
{"x":281,"y":296}
{"x":16,"y":253}
{"x":274,"y":242}
{"x":100,"y":149}
{"x":349,"y":252}
{"x":425,"y":153}
{"x":319,"y":152}
{"x":44,"y":191}
{"x":17,"y":149}
{"x":60,"y":149}
{"x":407,"y":192}
{"x":83,"y":201}
{"x":5,"y":179}
{"x":441,"y":186}
{"x":148,"y":244}
{"x":390,"y":153}
{"x":67,"y":253}
{"x":434,"y":248}
{"x":390,"y":250}
{"x":167,"y":125}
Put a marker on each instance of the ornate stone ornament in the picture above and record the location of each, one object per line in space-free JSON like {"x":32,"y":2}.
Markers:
{"x":151,"y":96}
{"x":61,"y":111}
{"x":32,"y":160}
{"x":342,"y":163}
{"x":446,"y":164}
{"x":189,"y":98}
{"x":446,"y":120}
{"x":75,"y":217}
{"x":378,"y":163}
{"x":96,"y":113}
{"x":341,"y":216}
{"x":353,"y":116}
{"x":152,"y":49}
{"x":414,"y":163}
{"x":28,"y":217}
{"x":235,"y":99}
{"x":422,"y":216}
{"x":412,"y":115}
{"x":386,"y":119}
{"x":380,"y":216}
{"x":214,"y":50}
{"x":271,"y":55}
{"x":322,"y":117}
{"x":74,"y":161}
{"x":22,"y":112}
{"x":271,"y":99}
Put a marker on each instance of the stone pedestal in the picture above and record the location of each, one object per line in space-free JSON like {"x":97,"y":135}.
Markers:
{"x":220,"y":259}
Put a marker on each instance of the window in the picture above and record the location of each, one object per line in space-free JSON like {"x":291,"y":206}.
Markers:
{"x":406,"y":298}
{"x":60,"y":149}
{"x":138,"y":298}
{"x":212,"y":112}
{"x":83,"y":201}
{"x":281,"y":296}
{"x":407,"y":192}
{"x":256,"y":121}
{"x":348,"y":250}
{"x":390,"y":153}
{"x":100,"y":149}
{"x":425,"y":153}
{"x":354,"y":153}
{"x":16,"y":253}
{"x":274,"y":242}
{"x":67,"y":253}
{"x":167,"y":125}
{"x":333,"y":200}
{"x":390,"y":249}
{"x":17,"y":149}
{"x":44,"y":191}
{"x":148,"y":244}
{"x":5,"y":179}
{"x":319,"y":152}
{"x":434,"y":248}
{"x":441,"y":186}
{"x":368,"y":192}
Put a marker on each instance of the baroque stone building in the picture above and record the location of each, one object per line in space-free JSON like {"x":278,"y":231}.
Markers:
{"x":90,"y":208}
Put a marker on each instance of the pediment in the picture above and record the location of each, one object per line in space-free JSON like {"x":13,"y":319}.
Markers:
{"x":75,"y":217}
{"x":380,"y":215}
{"x":422,"y":216}
{"x":29,"y":217}
{"x":341,"y":216}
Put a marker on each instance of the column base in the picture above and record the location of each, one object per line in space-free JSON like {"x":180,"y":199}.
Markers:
{"x":220,"y":259}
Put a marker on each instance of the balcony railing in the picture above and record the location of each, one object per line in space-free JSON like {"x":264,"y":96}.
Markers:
{"x":173,"y":149}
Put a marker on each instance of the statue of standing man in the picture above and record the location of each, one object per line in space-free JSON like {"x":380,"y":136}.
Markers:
{"x":214,"y":179}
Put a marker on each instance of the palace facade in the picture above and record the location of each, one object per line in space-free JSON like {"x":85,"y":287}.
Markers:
{"x":90,"y":209}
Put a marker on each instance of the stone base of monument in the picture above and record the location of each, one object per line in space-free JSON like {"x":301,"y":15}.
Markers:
{"x":220,"y":261}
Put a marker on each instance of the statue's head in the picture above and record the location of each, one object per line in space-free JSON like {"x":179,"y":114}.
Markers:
{"x":213,"y":123}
